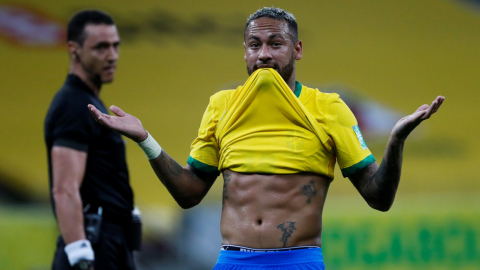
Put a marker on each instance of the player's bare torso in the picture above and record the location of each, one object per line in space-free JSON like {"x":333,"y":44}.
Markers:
{"x":272,"y":211}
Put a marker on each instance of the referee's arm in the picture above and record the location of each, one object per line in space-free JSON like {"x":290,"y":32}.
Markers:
{"x":68,"y":167}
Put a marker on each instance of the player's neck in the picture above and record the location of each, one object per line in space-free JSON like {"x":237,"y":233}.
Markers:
{"x":91,"y":83}
{"x":291,"y":81}
{"x":292,"y":85}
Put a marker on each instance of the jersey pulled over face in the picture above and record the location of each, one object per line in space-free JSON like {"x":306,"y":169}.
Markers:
{"x":264,"y":127}
{"x":269,"y":44}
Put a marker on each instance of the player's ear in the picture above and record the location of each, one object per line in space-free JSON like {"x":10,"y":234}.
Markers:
{"x":298,"y":50}
{"x":245,"y":53}
{"x":73,"y":50}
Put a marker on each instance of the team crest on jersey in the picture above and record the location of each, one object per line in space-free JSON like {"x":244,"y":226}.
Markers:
{"x":360,"y":137}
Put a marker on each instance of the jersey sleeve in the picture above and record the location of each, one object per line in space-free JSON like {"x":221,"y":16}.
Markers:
{"x":204,"y":151}
{"x":352,"y":152}
{"x":74,"y":125}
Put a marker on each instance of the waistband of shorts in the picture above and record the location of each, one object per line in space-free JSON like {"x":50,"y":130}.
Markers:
{"x":247,"y":249}
{"x":303,"y":254}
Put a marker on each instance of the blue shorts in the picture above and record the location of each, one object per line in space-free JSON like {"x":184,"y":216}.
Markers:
{"x":298,"y":259}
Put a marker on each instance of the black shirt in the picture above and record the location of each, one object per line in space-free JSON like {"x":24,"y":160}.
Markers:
{"x":69,"y":123}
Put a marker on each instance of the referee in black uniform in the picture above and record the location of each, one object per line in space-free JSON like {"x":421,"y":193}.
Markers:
{"x":89,"y":183}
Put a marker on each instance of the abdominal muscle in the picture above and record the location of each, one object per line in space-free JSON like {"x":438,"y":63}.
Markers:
{"x":273,"y":211}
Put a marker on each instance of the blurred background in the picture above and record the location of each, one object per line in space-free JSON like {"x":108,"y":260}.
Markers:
{"x":385,"y":58}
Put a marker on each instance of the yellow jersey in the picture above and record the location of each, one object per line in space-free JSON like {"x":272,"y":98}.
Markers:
{"x":264,"y":127}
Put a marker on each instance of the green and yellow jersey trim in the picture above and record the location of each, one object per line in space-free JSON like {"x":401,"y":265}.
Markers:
{"x":201,"y":166}
{"x":357,"y":167}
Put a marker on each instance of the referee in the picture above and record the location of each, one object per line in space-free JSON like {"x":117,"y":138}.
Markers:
{"x":89,"y":184}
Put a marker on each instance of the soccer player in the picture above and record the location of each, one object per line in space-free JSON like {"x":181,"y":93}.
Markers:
{"x":87,"y":167}
{"x":276,"y":142}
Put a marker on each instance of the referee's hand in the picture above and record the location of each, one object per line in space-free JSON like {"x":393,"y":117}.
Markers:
{"x":124,"y":123}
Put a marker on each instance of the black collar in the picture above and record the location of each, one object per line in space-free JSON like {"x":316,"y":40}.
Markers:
{"x":75,"y":82}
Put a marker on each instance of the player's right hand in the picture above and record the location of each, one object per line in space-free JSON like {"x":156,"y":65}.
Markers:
{"x":124,"y":123}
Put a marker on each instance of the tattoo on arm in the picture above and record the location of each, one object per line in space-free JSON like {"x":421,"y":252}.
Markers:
{"x":309,"y":190}
{"x":379,"y":187}
{"x":172,"y":167}
{"x":382,"y":170}
{"x":193,"y":175}
{"x":367,"y":186}
{"x":388,"y":176}
{"x":370,"y":170}
{"x":287,"y":229}
{"x":167,"y":169}
{"x":175,"y":168}
{"x":226,"y":177}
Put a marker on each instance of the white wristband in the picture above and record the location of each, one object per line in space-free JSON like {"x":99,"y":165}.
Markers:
{"x":81,"y":249}
{"x":150,"y":147}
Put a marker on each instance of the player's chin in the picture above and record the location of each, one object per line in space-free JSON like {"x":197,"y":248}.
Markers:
{"x":108,"y":78}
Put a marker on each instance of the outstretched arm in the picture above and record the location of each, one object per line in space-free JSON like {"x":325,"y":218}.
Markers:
{"x":187,"y":186}
{"x":378,"y":185}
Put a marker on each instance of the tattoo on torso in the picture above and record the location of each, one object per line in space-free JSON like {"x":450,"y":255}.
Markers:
{"x":226,"y":177}
{"x":309,"y":191}
{"x":287,"y":230}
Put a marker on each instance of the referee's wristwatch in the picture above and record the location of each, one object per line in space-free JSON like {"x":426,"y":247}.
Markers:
{"x":83,"y":265}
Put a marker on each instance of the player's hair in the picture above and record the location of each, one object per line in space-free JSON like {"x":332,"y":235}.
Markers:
{"x":76,"y":26}
{"x":276,"y":14}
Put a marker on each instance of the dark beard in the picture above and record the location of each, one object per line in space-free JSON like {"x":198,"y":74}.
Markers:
{"x":95,"y":78}
{"x":285,"y":71}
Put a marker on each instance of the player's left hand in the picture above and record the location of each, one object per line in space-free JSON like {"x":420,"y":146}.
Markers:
{"x":408,"y":123}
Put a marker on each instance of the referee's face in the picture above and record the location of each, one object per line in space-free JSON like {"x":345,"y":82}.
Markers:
{"x":99,"y":54}
{"x":269,"y":44}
